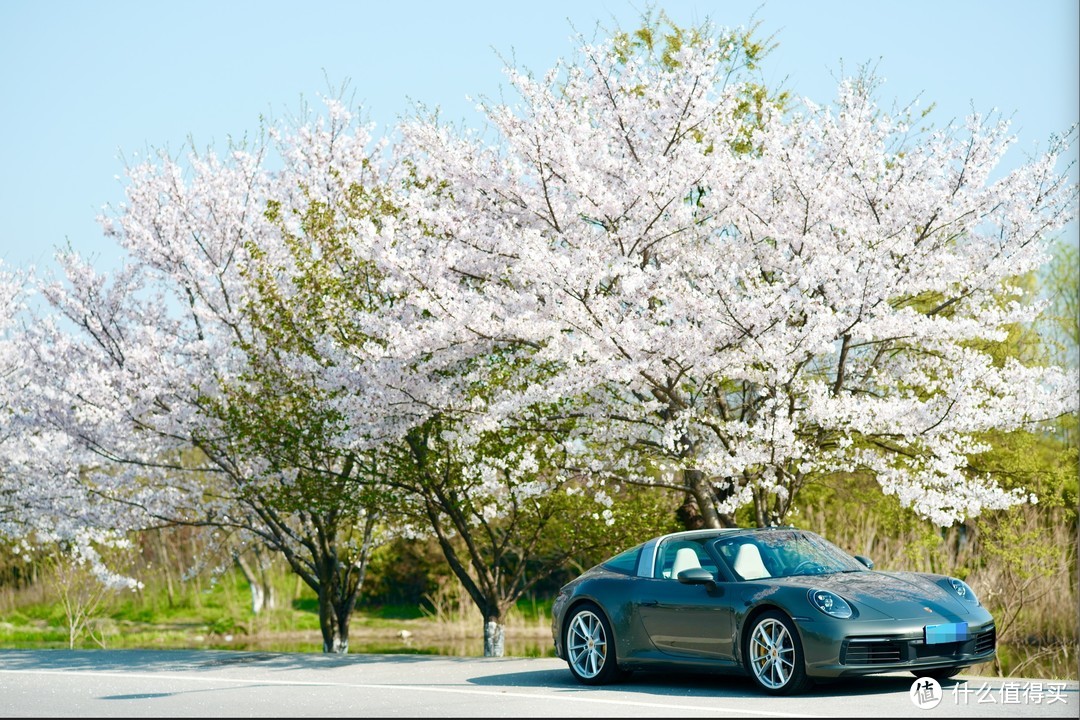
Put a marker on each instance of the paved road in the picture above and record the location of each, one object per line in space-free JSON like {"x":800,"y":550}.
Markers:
{"x":196,"y":683}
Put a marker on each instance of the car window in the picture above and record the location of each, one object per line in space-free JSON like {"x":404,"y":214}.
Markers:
{"x":804,"y":553}
{"x":783,"y":554}
{"x":625,"y":562}
{"x":668,"y":557}
{"x":748,"y":559}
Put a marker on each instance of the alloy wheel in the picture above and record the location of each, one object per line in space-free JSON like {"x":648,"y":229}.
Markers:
{"x":586,"y":644}
{"x":772,"y":654}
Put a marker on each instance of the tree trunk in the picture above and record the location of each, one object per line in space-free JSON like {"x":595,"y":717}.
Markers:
{"x":339,"y":587}
{"x":494,"y":637}
{"x":258,"y":596}
{"x":334,"y":627}
{"x":269,"y":595}
{"x":701,"y":490}
{"x":689,"y":515}
{"x":166,"y":565}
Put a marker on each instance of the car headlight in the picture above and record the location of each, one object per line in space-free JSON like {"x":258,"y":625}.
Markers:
{"x":831,"y":604}
{"x":964,"y":590}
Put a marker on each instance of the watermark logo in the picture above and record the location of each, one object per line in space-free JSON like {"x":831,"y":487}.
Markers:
{"x":925,"y":693}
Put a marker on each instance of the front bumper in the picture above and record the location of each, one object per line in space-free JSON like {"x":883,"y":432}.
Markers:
{"x":901,"y":649}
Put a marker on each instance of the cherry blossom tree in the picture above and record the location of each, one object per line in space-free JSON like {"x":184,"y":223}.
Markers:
{"x":12,"y":291}
{"x":17,"y":499}
{"x":171,"y":391}
{"x":506,"y":510}
{"x":43,"y":503}
{"x":251,"y":370}
{"x":404,"y":385}
{"x":741,"y":305}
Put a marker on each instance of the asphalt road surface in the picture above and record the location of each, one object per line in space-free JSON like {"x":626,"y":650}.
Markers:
{"x":197,"y":683}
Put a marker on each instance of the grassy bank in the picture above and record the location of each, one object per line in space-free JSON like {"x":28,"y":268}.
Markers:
{"x":369,"y":634}
{"x":218,"y":616}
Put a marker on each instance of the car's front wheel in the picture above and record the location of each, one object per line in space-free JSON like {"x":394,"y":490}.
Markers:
{"x":590,"y":646}
{"x":774,"y":656}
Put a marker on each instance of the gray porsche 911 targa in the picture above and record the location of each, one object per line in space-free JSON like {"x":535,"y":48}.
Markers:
{"x":782,"y":605}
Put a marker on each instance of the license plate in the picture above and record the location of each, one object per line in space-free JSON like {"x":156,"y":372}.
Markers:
{"x":946,"y":633}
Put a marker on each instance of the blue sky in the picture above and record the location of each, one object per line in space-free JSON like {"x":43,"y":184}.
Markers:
{"x":84,"y":84}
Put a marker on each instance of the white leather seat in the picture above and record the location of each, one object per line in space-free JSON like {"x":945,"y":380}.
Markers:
{"x":748,"y":563}
{"x":685,"y":559}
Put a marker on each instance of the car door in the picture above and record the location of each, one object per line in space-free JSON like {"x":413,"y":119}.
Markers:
{"x":686,"y":620}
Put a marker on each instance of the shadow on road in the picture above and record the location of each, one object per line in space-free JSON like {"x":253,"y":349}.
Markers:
{"x":703,"y":685}
{"x":187,"y":660}
{"x":541,"y":673}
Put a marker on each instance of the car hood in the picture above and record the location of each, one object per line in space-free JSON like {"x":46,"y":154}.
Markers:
{"x":901,"y":595}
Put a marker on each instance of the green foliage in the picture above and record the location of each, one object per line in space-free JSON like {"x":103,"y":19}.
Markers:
{"x":402,"y":572}
{"x":658,"y":41}
{"x":1061,"y":287}
{"x":852,"y":511}
{"x":1042,"y":463}
{"x":226,"y":625}
{"x":389,"y":615}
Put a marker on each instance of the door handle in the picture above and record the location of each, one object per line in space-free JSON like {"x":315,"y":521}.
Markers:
{"x":649,"y":603}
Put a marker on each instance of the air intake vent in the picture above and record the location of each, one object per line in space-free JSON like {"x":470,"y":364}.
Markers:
{"x":985,"y":641}
{"x":871,"y":652}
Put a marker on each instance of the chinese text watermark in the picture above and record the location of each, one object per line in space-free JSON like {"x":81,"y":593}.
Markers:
{"x":926,"y":693}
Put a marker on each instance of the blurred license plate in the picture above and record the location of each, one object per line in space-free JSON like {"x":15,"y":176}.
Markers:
{"x":947,"y":633}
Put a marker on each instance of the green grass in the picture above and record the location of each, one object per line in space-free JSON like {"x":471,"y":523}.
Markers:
{"x":218,"y":615}
{"x":533,"y":610}
{"x":32,"y":636}
{"x":372,"y":614}
{"x":196,"y":615}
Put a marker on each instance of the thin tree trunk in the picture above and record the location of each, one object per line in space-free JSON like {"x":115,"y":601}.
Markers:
{"x":334,"y":623}
{"x":329,"y":624}
{"x":494,"y":637}
{"x":258,"y":596}
{"x":266,"y":580}
{"x":701,"y":489}
{"x":166,"y":566}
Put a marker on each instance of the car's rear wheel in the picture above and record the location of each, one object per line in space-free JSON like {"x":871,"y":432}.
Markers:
{"x":774,"y":655}
{"x":590,"y":646}
{"x":939,"y":673}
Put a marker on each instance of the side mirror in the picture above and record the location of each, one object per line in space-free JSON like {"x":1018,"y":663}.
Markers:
{"x":865,"y":561}
{"x":697,"y":576}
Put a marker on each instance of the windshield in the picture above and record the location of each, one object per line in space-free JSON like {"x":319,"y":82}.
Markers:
{"x":784,"y":553}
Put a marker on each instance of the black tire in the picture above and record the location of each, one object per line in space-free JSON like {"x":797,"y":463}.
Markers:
{"x":590,"y":646}
{"x":939,"y":673}
{"x":773,"y":655}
